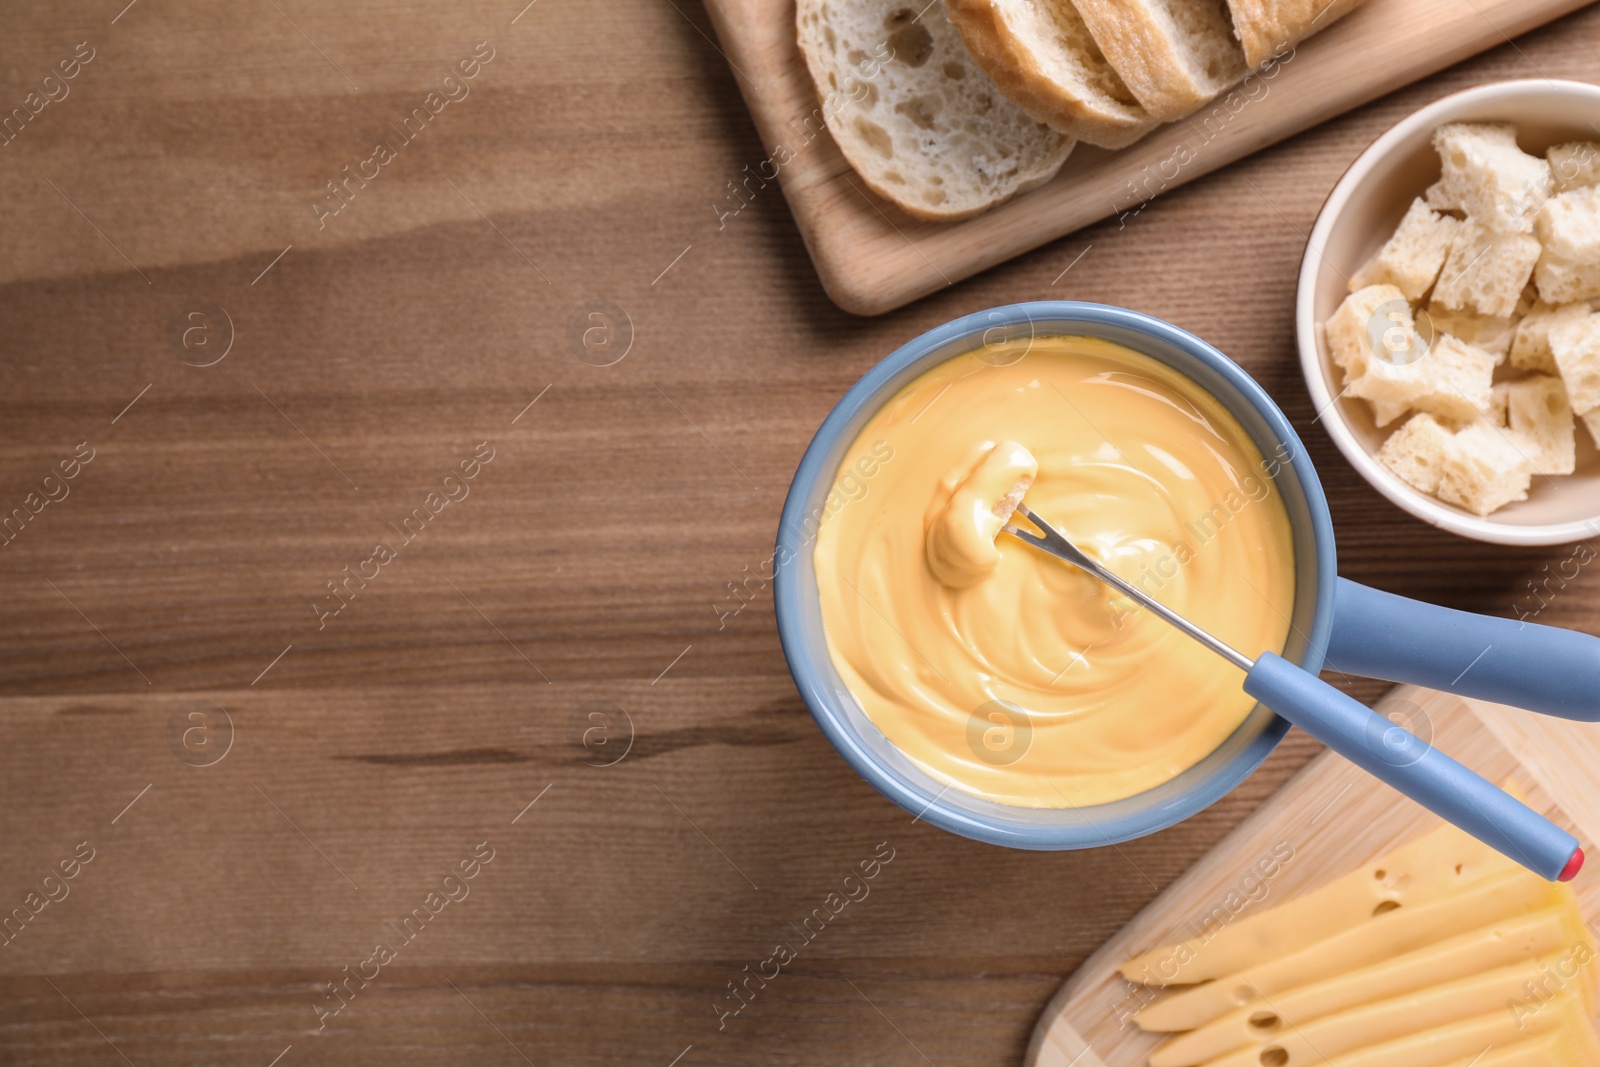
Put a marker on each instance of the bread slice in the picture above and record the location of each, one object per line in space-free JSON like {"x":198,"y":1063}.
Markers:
{"x":1452,"y":380}
{"x":1043,"y":57}
{"x":913,"y":114}
{"x":1486,"y":270}
{"x":1416,"y":451}
{"x":1268,"y":28}
{"x":1484,"y":470}
{"x":1538,"y":413}
{"x":1569,"y":229}
{"x":1574,"y":165}
{"x":1411,"y":259}
{"x":1174,"y":55}
{"x":1487,"y":176}
{"x":1575,"y":345}
{"x":1531,"y":348}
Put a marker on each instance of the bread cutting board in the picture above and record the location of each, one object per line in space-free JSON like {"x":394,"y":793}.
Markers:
{"x":873,"y":258}
{"x":1329,"y":819}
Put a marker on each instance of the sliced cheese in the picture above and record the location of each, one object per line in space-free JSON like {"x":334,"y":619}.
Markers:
{"x":1430,"y":868}
{"x":1401,"y":930}
{"x":1557,"y":1032}
{"x":1548,"y":933}
{"x":1389,"y":1020}
{"x":1570,"y":1045}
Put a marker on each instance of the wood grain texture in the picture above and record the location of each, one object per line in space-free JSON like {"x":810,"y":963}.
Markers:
{"x":873,"y":257}
{"x":1328,"y":819}
{"x":594,"y":550}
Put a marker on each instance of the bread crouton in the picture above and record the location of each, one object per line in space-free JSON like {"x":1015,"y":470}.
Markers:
{"x":1411,"y":258}
{"x":1499,"y":404}
{"x":1569,"y":229}
{"x":1488,"y":177}
{"x":1492,"y":333}
{"x":1574,"y":165}
{"x":1371,"y":319}
{"x":1486,"y":270}
{"x":1575,"y":346}
{"x":1591,"y":422}
{"x":1451,"y":379}
{"x":1539,"y":414}
{"x":1530,"y":350}
{"x":1416,"y":451}
{"x":1483,"y":470}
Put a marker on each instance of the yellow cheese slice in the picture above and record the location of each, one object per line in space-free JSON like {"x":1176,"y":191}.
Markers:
{"x":1399,"y":931}
{"x":1308,"y":1045}
{"x":1572,"y":1045}
{"x":1558,"y":1032}
{"x":1556,"y":933}
{"x":1434,"y":866}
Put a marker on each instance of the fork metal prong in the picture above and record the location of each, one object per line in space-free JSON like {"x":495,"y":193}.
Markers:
{"x":1051,"y":540}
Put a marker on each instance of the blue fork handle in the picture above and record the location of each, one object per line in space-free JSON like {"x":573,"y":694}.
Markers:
{"x":1524,"y":664}
{"x":1414,"y":767}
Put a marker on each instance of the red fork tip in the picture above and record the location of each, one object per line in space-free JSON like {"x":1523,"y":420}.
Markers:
{"x":1570,"y":871}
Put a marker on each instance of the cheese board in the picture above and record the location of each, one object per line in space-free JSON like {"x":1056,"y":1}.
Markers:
{"x":871,"y":257}
{"x":1328,"y":819}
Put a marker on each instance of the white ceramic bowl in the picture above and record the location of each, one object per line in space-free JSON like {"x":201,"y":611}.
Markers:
{"x":1357,"y":218}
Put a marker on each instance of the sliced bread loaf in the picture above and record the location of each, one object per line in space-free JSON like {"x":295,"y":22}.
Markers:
{"x":1174,"y":55}
{"x":1268,"y":28}
{"x":917,"y":119}
{"x":1044,"y":58}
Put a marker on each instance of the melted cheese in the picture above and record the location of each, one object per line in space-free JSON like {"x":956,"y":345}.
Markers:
{"x":1004,"y":672}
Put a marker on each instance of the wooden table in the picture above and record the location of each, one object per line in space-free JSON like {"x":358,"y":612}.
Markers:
{"x":267,"y":789}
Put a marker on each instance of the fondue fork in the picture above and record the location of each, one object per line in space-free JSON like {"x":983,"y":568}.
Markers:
{"x":1381,"y":748}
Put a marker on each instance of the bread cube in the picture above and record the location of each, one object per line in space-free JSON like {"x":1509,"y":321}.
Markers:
{"x":1492,"y":333}
{"x":1483,"y":470}
{"x":1541,"y":423}
{"x":1452,"y":379}
{"x":1574,"y":165}
{"x":1384,"y":411}
{"x":1575,"y":346}
{"x":1416,"y":451}
{"x":1569,"y":229}
{"x":1487,"y":176}
{"x":1411,"y":258}
{"x":1530,"y":349}
{"x":1373,"y":318}
{"x":1591,"y":422}
{"x":1486,"y":270}
{"x":1499,"y":405}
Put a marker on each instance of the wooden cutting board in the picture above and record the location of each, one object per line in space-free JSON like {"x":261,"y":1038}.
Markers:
{"x":873,"y":258}
{"x":1335,"y":818}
